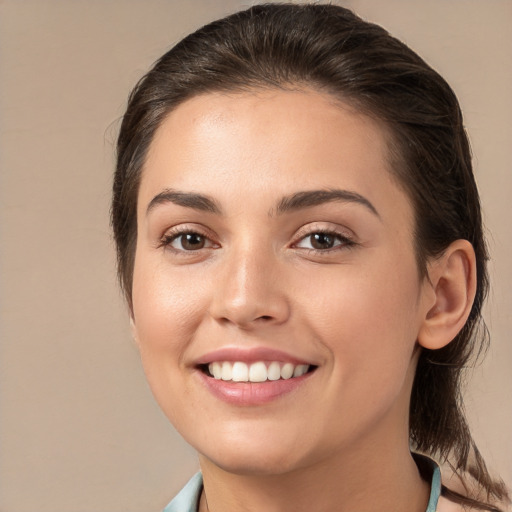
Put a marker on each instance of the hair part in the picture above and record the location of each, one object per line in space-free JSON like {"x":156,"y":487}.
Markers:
{"x":329,"y":49}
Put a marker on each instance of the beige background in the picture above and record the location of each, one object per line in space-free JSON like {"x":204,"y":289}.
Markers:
{"x":79,"y":430}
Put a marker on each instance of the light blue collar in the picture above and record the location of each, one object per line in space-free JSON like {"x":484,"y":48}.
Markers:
{"x":188,"y":498}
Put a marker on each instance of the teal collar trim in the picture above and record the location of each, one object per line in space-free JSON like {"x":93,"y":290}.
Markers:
{"x":435,"y":489}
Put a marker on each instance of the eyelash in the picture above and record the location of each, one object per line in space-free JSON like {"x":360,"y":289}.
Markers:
{"x":178,"y":232}
{"x":344,"y":242}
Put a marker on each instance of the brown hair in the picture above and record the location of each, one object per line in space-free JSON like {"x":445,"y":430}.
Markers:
{"x":329,"y":48}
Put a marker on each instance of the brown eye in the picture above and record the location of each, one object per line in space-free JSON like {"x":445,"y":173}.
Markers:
{"x":186,"y":241}
{"x":322,"y":241}
{"x":190,"y":241}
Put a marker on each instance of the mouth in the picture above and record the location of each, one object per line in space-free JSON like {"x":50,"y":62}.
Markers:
{"x":256,"y":372}
{"x":253,"y":376}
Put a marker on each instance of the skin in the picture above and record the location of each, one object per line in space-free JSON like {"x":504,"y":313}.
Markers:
{"x":356,"y":311}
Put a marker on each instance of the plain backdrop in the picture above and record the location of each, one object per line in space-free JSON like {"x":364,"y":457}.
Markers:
{"x":79,"y":430}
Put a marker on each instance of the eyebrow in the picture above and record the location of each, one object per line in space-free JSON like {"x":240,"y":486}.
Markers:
{"x":186,"y":199}
{"x":311,"y":198}
{"x":293,"y":202}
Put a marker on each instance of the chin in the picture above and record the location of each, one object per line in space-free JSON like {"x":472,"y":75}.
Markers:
{"x":250,"y":456}
{"x":262,"y":464}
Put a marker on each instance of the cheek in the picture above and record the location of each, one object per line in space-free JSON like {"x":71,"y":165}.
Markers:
{"x":367,"y":314}
{"x":368,"y":323}
{"x":165,"y":307}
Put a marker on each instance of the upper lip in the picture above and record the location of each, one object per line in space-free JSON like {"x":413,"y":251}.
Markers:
{"x":249,"y":355}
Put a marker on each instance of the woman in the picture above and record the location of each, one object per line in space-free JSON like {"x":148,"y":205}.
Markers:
{"x":299,"y":239}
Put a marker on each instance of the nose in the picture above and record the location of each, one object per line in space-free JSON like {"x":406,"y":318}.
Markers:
{"x":250,"y":291}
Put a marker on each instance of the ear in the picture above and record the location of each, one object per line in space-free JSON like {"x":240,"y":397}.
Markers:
{"x":452,"y":288}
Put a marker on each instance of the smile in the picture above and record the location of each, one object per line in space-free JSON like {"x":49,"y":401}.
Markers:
{"x":253,"y":376}
{"x":260,"y":371}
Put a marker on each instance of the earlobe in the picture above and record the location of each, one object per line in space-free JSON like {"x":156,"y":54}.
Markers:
{"x":453,"y":282}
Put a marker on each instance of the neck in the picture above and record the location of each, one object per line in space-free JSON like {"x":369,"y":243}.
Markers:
{"x":387,"y":480}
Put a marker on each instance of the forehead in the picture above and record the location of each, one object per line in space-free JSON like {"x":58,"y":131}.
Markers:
{"x":268,"y":141}
{"x":302,"y":113}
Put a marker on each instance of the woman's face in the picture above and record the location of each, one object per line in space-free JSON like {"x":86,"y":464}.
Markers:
{"x":273,"y":239}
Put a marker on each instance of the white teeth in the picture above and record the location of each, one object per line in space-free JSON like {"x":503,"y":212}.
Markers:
{"x":300,"y":370}
{"x":287,"y":371}
{"x":226,"y":372}
{"x":274,"y":371}
{"x":215,"y":370}
{"x":258,"y":372}
{"x":239,"y":371}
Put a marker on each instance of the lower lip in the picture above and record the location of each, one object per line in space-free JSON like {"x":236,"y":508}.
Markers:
{"x":252,"y":393}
